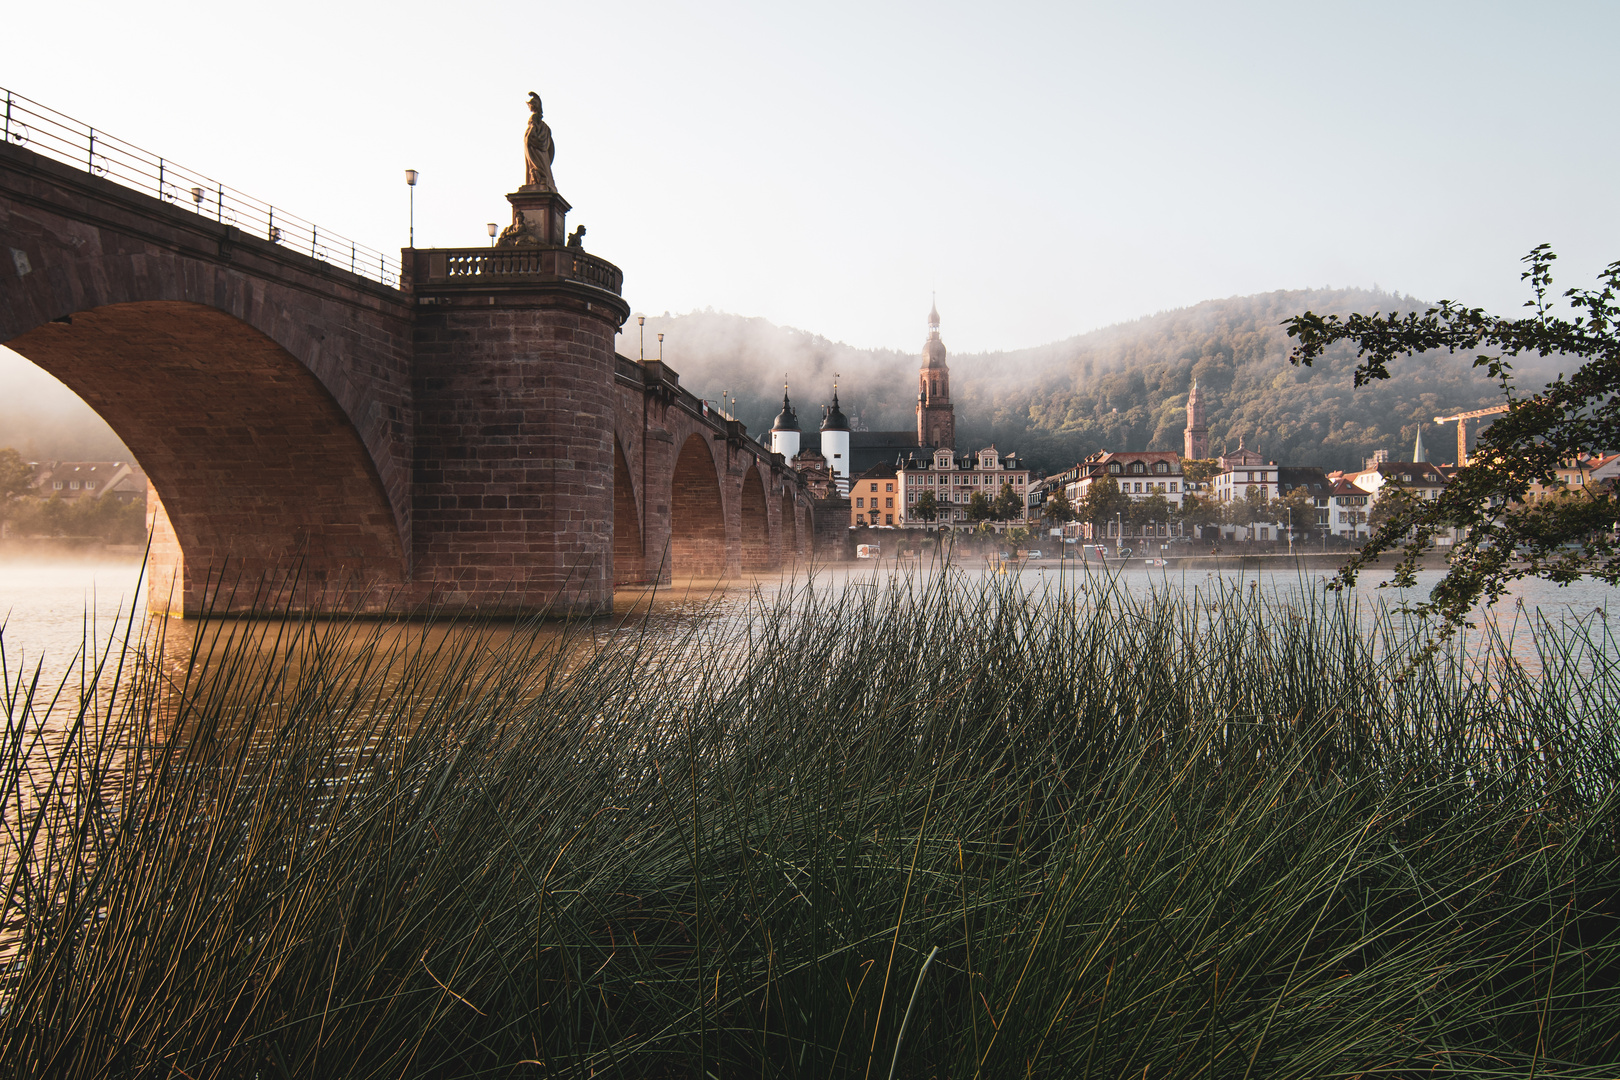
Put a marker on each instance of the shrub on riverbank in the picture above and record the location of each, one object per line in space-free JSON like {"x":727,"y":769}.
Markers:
{"x":924,"y":828}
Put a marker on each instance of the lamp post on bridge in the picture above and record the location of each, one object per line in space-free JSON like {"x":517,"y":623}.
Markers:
{"x":492,"y":229}
{"x":410,"y":182}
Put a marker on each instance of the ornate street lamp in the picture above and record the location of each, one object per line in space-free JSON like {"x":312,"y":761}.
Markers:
{"x":492,"y":229}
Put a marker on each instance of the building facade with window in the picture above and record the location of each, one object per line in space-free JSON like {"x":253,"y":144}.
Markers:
{"x":1140,"y":474}
{"x":872,"y":497}
{"x":953,"y":480}
{"x":1418,"y":479}
{"x":1347,"y":510}
{"x":73,"y":480}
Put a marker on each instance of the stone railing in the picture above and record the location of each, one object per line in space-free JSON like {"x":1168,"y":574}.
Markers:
{"x":598,"y":272}
{"x":467,"y":265}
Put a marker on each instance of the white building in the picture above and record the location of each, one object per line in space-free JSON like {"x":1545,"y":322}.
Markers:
{"x":1241,"y":473}
{"x":1141,"y":474}
{"x":785,"y":431}
{"x":1417,"y":478}
{"x":835,"y":443}
{"x":1347,"y":510}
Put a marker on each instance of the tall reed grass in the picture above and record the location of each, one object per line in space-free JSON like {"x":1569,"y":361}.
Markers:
{"x":927,"y":827}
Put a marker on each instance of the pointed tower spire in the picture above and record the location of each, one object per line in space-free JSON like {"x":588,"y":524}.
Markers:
{"x":785,"y":431}
{"x":1418,"y":452}
{"x":936,"y":417}
{"x":1195,"y":438}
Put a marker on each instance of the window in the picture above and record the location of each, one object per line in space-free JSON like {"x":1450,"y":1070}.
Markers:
{"x":1162,"y":467}
{"x":89,"y":485}
{"x":860,"y":501}
{"x":888,"y":487}
{"x":1113,"y":468}
{"x":1172,"y":487}
{"x":889,"y":503}
{"x":73,"y":485}
{"x":874,"y":485}
{"x":888,"y":519}
{"x":57,"y":486}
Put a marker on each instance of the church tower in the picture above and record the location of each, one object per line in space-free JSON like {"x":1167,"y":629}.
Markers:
{"x":1196,"y":437}
{"x":936,"y":418}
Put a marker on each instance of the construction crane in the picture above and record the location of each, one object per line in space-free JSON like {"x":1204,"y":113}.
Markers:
{"x":1462,"y":428}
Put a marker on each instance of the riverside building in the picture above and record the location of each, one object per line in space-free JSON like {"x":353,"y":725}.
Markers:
{"x":953,"y":481}
{"x":1140,"y":474}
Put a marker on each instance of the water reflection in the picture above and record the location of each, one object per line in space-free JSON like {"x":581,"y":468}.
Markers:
{"x":65,"y":618}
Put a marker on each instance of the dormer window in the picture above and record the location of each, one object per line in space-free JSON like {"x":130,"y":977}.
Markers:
{"x":1113,"y":468}
{"x":1162,"y":467}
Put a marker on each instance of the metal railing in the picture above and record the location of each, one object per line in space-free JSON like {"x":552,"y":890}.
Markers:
{"x":62,"y":138}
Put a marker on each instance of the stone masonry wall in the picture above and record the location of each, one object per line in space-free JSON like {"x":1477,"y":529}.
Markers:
{"x":513,"y":506}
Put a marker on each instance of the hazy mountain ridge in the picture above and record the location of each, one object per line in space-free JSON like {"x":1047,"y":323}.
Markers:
{"x":1121,"y":387}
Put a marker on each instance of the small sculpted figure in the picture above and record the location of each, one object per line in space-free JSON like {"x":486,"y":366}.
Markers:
{"x":538,"y":150}
{"x":576,"y":239}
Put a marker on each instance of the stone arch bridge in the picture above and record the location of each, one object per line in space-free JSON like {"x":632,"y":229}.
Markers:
{"x":469,"y":439}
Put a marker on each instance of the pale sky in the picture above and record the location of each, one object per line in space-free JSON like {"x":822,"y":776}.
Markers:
{"x":1046,"y":168}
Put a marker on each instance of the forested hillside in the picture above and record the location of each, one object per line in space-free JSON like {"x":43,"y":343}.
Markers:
{"x":1123,"y":387}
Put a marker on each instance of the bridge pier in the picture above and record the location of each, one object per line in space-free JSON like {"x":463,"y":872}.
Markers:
{"x":512,"y":503}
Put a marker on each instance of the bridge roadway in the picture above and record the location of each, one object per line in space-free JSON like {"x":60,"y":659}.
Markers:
{"x":469,"y":440}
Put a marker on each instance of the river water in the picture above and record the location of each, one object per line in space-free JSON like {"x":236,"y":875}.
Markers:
{"x":54,"y":613}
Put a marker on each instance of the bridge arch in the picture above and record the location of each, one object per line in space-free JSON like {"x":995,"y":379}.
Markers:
{"x":789,"y":528}
{"x":629,"y":551}
{"x":258,"y":468}
{"x":697,"y":518}
{"x":99,"y":275}
{"x":755,"y":524}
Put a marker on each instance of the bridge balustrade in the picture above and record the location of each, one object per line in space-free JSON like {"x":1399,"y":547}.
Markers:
{"x":467,"y":265}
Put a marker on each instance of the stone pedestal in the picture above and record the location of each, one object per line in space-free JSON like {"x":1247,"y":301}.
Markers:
{"x":539,"y":219}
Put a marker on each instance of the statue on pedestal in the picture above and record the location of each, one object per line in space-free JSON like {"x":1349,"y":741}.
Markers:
{"x":538,"y":150}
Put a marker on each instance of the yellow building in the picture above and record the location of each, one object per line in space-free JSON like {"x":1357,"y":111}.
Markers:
{"x":872,"y":497}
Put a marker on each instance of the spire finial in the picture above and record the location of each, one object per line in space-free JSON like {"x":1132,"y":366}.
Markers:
{"x":933,"y":311}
